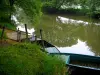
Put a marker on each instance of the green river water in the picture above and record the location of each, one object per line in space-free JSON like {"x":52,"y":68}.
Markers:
{"x":71,"y":34}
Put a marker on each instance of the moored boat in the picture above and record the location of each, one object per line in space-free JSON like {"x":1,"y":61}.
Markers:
{"x":79,"y":61}
{"x":48,"y":47}
{"x":82,"y":61}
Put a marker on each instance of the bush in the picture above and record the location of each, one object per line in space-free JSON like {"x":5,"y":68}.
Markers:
{"x":28,"y":59}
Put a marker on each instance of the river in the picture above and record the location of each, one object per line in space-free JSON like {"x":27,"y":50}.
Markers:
{"x":71,"y":34}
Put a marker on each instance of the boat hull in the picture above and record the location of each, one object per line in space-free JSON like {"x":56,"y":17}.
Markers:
{"x":87,"y":61}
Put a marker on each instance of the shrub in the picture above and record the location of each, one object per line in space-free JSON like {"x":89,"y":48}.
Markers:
{"x":28,"y":59}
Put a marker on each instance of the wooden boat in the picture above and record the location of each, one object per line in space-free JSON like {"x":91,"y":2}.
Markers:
{"x":77,"y":63}
{"x":81,"y":61}
{"x":72,"y":60}
{"x":46,"y":46}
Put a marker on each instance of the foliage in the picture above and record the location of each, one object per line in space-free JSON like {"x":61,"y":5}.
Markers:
{"x":54,"y":3}
{"x":31,"y":8}
{"x":52,"y":6}
{"x":8,"y":26}
{"x":28,"y":59}
{"x":88,"y":7}
{"x":5,"y":11}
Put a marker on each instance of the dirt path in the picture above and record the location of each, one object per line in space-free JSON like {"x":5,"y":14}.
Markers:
{"x":12,"y":36}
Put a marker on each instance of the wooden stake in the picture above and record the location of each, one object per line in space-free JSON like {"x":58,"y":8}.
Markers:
{"x":42,"y":38}
{"x":41,"y":34}
{"x":35,"y":38}
{"x":26,"y":31}
{"x":18,"y":34}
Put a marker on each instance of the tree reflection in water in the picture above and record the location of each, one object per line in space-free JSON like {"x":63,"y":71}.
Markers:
{"x":67,"y":34}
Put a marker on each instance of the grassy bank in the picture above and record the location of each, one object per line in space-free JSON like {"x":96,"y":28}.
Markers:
{"x":28,"y":59}
{"x":4,"y":36}
{"x":51,"y":9}
{"x":8,"y":26}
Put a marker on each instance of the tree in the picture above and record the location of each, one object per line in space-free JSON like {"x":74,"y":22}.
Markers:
{"x":11,"y":2}
{"x":31,"y":8}
{"x":91,"y":7}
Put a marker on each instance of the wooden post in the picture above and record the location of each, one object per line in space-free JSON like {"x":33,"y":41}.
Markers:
{"x":41,"y":34}
{"x":18,"y":34}
{"x":2,"y":34}
{"x":26,"y":32}
{"x":35,"y":38}
{"x":42,"y":38}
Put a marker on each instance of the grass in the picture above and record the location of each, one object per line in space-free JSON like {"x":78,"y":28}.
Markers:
{"x":28,"y":59}
{"x":8,"y":26}
{"x":4,"y":36}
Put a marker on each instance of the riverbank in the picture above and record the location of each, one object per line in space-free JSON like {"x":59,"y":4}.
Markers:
{"x":49,"y":9}
{"x":27,"y":59}
{"x":69,"y":11}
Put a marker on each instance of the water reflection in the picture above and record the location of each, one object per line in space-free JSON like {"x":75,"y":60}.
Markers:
{"x":72,"y":21}
{"x":70,"y":33}
{"x":21,"y":26}
{"x":79,"y":48}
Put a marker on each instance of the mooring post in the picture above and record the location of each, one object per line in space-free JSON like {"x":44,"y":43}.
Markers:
{"x":18,"y":34}
{"x":41,"y":34}
{"x":42,"y":39}
{"x":2,"y":34}
{"x":26,"y":31}
{"x":35,"y":38}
